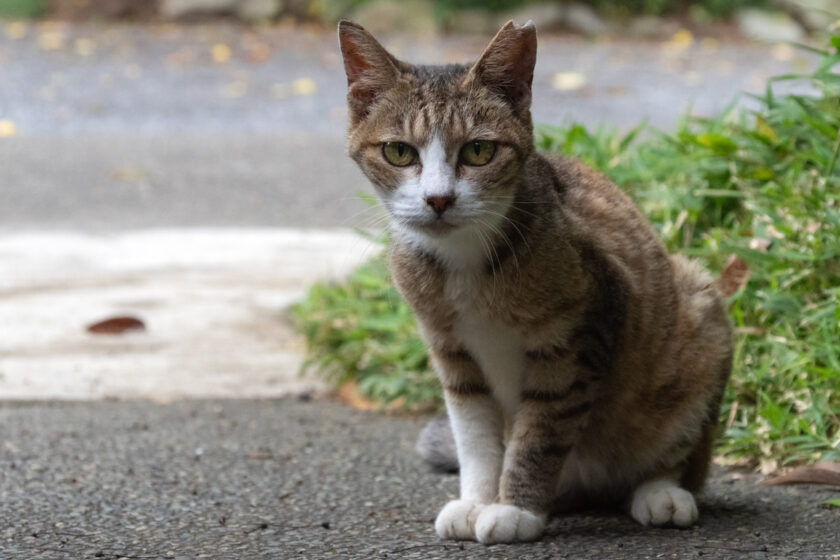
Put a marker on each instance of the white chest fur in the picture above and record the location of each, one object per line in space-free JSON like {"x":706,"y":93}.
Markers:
{"x":499,"y":352}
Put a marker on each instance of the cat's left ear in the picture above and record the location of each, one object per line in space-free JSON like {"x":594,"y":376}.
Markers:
{"x":369,"y":67}
{"x":507,"y":65}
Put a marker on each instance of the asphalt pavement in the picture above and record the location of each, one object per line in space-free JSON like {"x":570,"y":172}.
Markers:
{"x":298,"y":478}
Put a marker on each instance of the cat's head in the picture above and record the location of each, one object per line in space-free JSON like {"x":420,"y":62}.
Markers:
{"x":443,"y":145}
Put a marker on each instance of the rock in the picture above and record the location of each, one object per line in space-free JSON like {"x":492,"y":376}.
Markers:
{"x":176,"y":9}
{"x":774,"y":27}
{"x":479,"y":22}
{"x":383,"y":17}
{"x":814,"y":14}
{"x":258,"y":10}
{"x":583,"y":19}
{"x":250,"y":10}
{"x":652,"y":27}
{"x":547,"y":16}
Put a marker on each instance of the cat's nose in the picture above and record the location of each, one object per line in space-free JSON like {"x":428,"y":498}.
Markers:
{"x":440,"y":203}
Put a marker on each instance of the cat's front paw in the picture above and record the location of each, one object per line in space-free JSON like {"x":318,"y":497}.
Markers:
{"x":502,"y":523}
{"x":662,"y":502}
{"x":457,"y":519}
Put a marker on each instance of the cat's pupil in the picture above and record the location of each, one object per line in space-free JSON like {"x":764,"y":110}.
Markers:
{"x":477,"y":147}
{"x":400,"y":148}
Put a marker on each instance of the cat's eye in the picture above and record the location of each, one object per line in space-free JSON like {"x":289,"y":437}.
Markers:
{"x":477,"y":152}
{"x":398,"y":153}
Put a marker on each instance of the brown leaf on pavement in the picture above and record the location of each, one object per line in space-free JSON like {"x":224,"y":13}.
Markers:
{"x":734,"y":277}
{"x":117,"y":325}
{"x":821,"y":472}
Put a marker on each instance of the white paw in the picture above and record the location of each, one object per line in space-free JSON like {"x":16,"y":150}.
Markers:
{"x":662,"y":502}
{"x":501,"y":523}
{"x":457,"y":520}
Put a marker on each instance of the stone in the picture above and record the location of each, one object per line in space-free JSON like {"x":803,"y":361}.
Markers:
{"x":583,"y":19}
{"x":258,"y":10}
{"x":250,"y":10}
{"x":652,"y":27}
{"x":383,"y":17}
{"x":479,"y":22}
{"x":773,"y":27}
{"x":547,"y":16}
{"x":176,"y":9}
{"x":815,"y":14}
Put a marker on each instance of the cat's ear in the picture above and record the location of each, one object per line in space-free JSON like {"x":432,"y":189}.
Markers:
{"x":369,"y":67}
{"x":507,"y":65}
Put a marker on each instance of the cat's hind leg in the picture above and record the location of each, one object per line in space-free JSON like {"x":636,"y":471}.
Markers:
{"x":661,"y":502}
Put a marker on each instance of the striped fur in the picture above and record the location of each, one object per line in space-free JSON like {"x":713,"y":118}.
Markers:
{"x":579,"y":361}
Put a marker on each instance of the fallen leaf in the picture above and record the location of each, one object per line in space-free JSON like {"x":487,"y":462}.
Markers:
{"x":734,"y":277}
{"x":821,"y":472}
{"x":783,"y":52}
{"x":568,"y":81}
{"x":281,"y":91}
{"x":221,"y":53}
{"x":832,"y":503}
{"x":760,"y":244}
{"x":259,"y":456}
{"x":304,"y":86}
{"x":259,"y":53}
{"x":680,"y":40}
{"x":84,"y":47}
{"x":51,"y":40}
{"x":16,"y":30}
{"x":117,"y":325}
{"x":235,"y":89}
{"x":129,"y":174}
{"x":7,"y":129}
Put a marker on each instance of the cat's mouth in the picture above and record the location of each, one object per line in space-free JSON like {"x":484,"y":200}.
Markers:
{"x":436,"y":227}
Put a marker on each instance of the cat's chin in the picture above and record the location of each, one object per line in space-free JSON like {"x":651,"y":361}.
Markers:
{"x":437,"y":228}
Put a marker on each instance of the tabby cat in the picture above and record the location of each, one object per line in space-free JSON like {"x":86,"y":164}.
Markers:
{"x":580,"y":362}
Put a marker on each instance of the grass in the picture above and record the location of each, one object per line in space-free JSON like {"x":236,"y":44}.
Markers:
{"x":21,"y":8}
{"x":763,"y":185}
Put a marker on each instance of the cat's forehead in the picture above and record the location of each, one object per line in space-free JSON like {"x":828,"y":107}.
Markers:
{"x":435,"y":101}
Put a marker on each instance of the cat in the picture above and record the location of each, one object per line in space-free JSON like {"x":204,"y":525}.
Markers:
{"x":580,"y":363}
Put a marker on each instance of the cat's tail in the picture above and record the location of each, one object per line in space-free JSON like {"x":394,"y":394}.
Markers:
{"x":436,"y":446}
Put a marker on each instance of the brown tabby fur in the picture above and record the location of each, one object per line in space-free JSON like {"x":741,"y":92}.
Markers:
{"x":628,"y":348}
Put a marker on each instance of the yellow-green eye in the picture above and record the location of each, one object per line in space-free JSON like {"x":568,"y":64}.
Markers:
{"x":398,"y":153}
{"x":477,"y":152}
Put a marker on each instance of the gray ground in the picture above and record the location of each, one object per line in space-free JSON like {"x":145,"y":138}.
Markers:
{"x":145,"y":129}
{"x":291,"y":479}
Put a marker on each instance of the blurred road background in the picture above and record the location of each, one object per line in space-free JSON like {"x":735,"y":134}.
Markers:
{"x":120,"y":127}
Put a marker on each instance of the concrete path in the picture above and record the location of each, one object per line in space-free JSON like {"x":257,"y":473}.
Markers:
{"x":214,"y":302}
{"x":314,"y":480}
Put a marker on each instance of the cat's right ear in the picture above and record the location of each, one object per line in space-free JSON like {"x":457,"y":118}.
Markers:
{"x":369,"y":67}
{"x":507,"y":65}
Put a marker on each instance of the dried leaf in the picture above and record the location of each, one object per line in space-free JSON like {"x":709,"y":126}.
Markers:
{"x":221,"y":53}
{"x":117,"y":325}
{"x":568,"y":81}
{"x":260,"y":456}
{"x":760,"y":244}
{"x":7,"y":129}
{"x":304,"y":86}
{"x":821,"y":472}
{"x":734,"y":277}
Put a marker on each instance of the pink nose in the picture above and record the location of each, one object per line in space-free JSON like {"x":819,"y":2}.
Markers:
{"x":440,"y":203}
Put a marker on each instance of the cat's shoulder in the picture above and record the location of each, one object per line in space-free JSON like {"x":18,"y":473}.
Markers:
{"x":585,"y":190}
